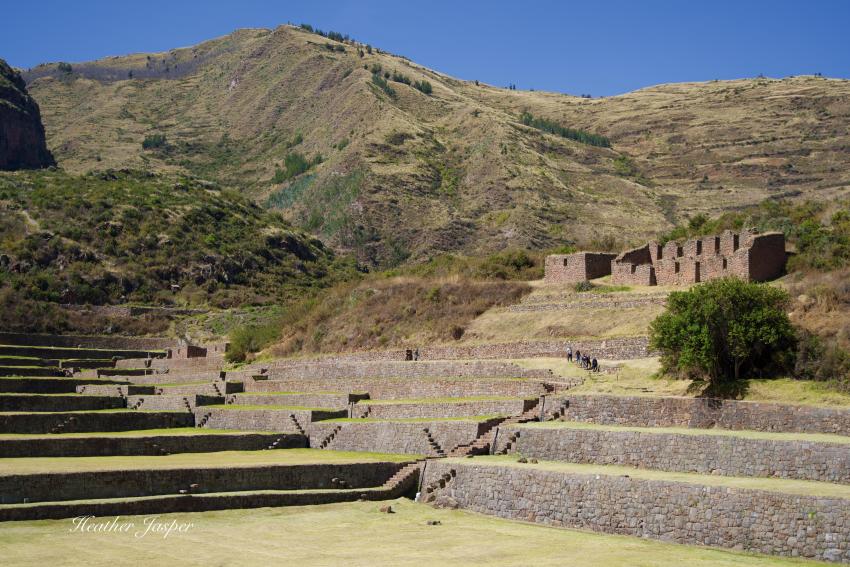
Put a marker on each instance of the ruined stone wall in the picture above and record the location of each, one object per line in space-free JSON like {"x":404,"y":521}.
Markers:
{"x":751,"y":520}
{"x":149,"y":482}
{"x":707,"y":454}
{"x":104,"y":446}
{"x":747,"y":255}
{"x":395,"y":436}
{"x":706,"y":412}
{"x":578,"y":267}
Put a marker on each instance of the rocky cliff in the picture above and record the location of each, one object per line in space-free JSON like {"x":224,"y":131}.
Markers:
{"x":22,"y":143}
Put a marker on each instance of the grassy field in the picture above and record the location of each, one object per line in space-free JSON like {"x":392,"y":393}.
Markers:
{"x":768,"y":435}
{"x":801,"y":487}
{"x":35,"y":465}
{"x":312,"y":535}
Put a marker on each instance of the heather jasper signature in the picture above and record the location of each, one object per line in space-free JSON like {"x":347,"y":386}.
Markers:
{"x":149,"y":525}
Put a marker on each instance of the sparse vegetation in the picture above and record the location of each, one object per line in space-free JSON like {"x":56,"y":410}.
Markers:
{"x":294,"y":164}
{"x":553,"y":127}
{"x":423,"y":86}
{"x":382,"y":84}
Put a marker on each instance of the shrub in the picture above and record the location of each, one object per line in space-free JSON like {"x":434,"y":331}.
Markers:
{"x":382,"y":84}
{"x":423,"y":86}
{"x":294,"y":164}
{"x":154,"y":141}
{"x":583,"y":286}
{"x":64,"y":68}
{"x":399,"y":78}
{"x":553,"y":127}
{"x":723,"y":330}
{"x":251,"y":339}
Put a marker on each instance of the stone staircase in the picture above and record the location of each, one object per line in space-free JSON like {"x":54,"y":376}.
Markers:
{"x":482,"y":445}
{"x":435,"y":447}
{"x":327,"y":440}
{"x":407,"y":474}
{"x":297,"y":425}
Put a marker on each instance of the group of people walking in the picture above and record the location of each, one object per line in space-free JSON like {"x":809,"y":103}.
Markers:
{"x":584,"y":360}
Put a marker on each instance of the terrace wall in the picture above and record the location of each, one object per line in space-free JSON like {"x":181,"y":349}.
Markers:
{"x":751,"y":520}
{"x":453,"y":409}
{"x":706,"y":412}
{"x":390,"y":388}
{"x":51,"y":487}
{"x":708,"y":454}
{"x":395,"y":436}
{"x":104,"y":446}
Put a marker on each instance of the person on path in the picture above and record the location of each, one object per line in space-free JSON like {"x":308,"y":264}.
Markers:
{"x":569,"y":354}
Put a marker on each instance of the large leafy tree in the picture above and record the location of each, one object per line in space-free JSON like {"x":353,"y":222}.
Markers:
{"x":725,"y":329}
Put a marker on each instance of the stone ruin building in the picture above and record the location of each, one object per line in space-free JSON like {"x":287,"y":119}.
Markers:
{"x":749,"y":255}
{"x":578,"y":267}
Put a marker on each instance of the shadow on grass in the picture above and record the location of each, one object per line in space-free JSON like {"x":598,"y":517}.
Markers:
{"x":735,"y":390}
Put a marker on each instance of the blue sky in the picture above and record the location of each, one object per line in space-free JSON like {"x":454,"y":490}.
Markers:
{"x":594,"y":47}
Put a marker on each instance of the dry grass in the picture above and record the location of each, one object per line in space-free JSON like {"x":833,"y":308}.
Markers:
{"x":300,"y":536}
{"x":387,"y":313}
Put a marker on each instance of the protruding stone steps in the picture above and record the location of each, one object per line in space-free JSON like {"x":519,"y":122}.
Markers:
{"x":140,"y":443}
{"x":57,"y":403}
{"x":167,"y":402}
{"x":435,"y":447}
{"x":264,"y":418}
{"x":109,"y":420}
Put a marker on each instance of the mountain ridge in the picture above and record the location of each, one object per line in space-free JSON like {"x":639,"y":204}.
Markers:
{"x":408,"y":176}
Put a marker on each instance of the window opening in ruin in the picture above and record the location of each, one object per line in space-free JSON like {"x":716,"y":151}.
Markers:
{"x":699,"y":247}
{"x":734,"y":242}
{"x":676,"y":267}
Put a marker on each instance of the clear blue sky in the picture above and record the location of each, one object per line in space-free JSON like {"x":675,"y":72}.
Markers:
{"x":599,"y":47}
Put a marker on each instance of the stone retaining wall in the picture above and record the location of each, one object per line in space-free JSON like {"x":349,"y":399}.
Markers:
{"x":454,"y":409}
{"x":165,"y":402}
{"x":707,"y":412}
{"x":707,"y":454}
{"x":200,"y":503}
{"x":87,"y":422}
{"x":51,"y":487}
{"x":71,"y":402}
{"x":395,"y":437}
{"x":401,"y":369}
{"x":152,"y":445}
{"x":305,"y":400}
{"x":66,"y":353}
{"x":279,"y":420}
{"x":86,"y":341}
{"x":390,"y":389}
{"x":623,"y":348}
{"x":49,"y":385}
{"x":751,"y":520}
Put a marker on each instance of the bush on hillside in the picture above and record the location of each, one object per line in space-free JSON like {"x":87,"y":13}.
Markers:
{"x":382,"y":84}
{"x":154,"y":141}
{"x":294,"y":164}
{"x":724,"y":330}
{"x":251,"y":339}
{"x":423,"y":86}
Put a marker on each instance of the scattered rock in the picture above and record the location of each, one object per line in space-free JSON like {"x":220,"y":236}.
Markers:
{"x":533,"y":461}
{"x":522,"y":460}
{"x":387,"y":510}
{"x":434,"y":522}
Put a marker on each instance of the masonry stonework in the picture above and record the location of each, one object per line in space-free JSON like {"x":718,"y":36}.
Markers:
{"x":746,"y":255}
{"x":578,"y":267}
{"x":753,"y":520}
{"x":706,"y":454}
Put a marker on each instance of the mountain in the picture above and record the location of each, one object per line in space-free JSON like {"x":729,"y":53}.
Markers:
{"x":337,"y":136}
{"x":22,"y":142}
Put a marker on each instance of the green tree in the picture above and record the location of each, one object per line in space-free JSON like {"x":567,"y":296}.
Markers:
{"x":723,"y":330}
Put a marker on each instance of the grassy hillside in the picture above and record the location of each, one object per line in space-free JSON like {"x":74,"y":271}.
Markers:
{"x":341,"y":140}
{"x":123,"y":236}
